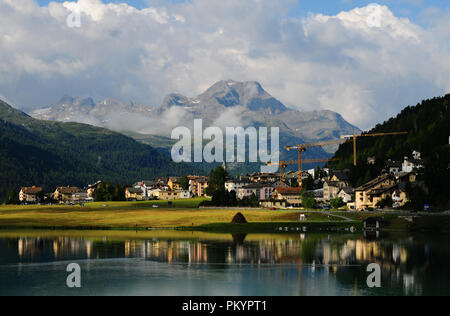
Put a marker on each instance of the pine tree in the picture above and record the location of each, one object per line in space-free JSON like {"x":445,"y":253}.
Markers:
{"x":12,"y":197}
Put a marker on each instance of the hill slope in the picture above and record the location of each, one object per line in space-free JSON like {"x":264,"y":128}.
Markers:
{"x":34,"y":152}
{"x":428,"y":127}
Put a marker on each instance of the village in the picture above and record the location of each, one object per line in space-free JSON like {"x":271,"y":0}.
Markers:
{"x":272,"y":190}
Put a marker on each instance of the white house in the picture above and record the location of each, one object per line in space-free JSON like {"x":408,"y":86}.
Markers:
{"x":399,"y":198}
{"x":146,"y":187}
{"x":185,"y":194}
{"x":82,"y":197}
{"x":154,"y":193}
{"x":236,"y":184}
{"x":30,"y":194}
{"x":416,"y":155}
{"x":346,"y":194}
{"x":262,"y":191}
{"x":409,"y":165}
{"x":393,"y":167}
{"x":171,"y":194}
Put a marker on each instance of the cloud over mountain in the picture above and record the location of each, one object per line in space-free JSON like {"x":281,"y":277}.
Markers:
{"x":362,"y":65}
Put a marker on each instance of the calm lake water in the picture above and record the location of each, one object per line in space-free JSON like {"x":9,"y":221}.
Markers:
{"x":192,"y":263}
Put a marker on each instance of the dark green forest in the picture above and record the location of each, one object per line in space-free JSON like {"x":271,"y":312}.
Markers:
{"x":50,"y":154}
{"x":428,"y":127}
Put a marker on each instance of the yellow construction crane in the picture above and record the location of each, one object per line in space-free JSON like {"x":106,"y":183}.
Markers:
{"x":354,"y":137}
{"x":284,"y":164}
{"x":302,"y":148}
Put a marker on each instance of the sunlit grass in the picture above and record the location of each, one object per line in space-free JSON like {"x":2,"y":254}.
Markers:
{"x":139,"y":215}
{"x":123,"y":235}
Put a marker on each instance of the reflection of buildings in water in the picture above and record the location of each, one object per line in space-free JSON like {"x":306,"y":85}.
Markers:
{"x":298,"y":249}
{"x":167,"y":251}
{"x":399,"y":254}
{"x":392,"y":258}
{"x":55,"y":248}
{"x":64,"y":247}
{"x":198,"y":253}
{"x":357,"y":251}
{"x":20,"y":247}
{"x":410,"y":285}
{"x":265,"y":251}
{"x":29,"y":248}
{"x":328,"y":254}
{"x":41,"y":249}
{"x":132,"y":248}
{"x":89,"y":249}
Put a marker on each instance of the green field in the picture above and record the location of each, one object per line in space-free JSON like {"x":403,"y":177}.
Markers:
{"x":140,"y":215}
{"x":185,"y":203}
{"x":186,"y":215}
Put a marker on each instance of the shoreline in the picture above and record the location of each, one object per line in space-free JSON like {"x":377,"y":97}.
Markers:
{"x":254,"y":227}
{"x":249,"y":228}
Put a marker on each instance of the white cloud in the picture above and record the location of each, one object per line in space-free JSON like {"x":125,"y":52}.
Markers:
{"x":340,"y":62}
{"x":230,"y":117}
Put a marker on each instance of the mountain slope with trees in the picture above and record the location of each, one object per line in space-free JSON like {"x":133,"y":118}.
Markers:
{"x":50,"y":154}
{"x":428,"y":127}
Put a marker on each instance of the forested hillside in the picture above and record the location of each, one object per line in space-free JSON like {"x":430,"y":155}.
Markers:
{"x":428,"y":127}
{"x":43,"y":153}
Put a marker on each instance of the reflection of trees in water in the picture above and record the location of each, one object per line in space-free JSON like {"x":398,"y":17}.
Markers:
{"x":217,"y":252}
{"x":410,"y":263}
{"x":237,"y":250}
{"x":62,"y":248}
{"x":238,"y":239}
{"x":406,"y":263}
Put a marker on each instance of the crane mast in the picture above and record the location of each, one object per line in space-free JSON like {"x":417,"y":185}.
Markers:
{"x":302,"y":148}
{"x":284,"y":164}
{"x":354,"y":137}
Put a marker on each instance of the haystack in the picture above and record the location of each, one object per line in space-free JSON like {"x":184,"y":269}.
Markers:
{"x":239,"y":219}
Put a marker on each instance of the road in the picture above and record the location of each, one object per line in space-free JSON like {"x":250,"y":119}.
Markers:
{"x":338,"y":216}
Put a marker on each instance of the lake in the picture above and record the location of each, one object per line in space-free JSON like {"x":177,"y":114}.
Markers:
{"x":34,"y":262}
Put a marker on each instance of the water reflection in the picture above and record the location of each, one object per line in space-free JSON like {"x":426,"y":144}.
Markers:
{"x":411,"y":265}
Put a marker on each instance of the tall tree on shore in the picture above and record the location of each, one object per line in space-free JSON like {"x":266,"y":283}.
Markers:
{"x":184,"y":182}
{"x":12,"y":197}
{"x":216,"y":187}
{"x":108,"y":192}
{"x":308,"y":183}
{"x":217,"y":180}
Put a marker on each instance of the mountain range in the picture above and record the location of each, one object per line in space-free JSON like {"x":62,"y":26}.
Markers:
{"x":226,"y":103}
{"x":50,"y":154}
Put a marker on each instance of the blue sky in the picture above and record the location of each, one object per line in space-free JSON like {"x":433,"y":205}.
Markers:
{"x":411,"y":9}
{"x":403,"y":8}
